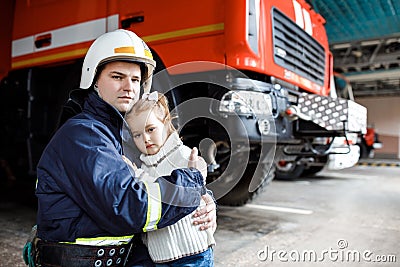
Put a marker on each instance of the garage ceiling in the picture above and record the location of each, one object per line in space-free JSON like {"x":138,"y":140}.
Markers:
{"x":364,"y":37}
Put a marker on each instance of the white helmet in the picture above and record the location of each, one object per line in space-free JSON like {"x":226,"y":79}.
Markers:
{"x":117,"y":45}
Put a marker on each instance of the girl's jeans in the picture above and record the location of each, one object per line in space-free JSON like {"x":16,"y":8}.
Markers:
{"x":204,"y":259}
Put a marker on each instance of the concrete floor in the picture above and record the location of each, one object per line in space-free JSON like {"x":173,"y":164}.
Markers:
{"x":333,"y":217}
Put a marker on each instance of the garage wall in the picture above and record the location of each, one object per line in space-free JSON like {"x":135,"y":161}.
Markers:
{"x":384,"y":115}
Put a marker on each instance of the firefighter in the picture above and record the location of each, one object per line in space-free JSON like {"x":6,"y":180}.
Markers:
{"x":90,"y":206}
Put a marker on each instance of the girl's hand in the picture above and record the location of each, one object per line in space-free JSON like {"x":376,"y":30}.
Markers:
{"x":195,"y":161}
{"x":127,"y":161}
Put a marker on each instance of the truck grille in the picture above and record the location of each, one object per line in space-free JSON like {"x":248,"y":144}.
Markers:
{"x":296,"y":50}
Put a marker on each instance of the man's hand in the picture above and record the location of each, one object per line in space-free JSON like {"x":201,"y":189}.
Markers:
{"x":206,"y":216}
{"x":195,"y":161}
{"x":138,"y":173}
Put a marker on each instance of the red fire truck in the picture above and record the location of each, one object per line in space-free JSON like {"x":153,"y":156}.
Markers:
{"x":249,"y":79}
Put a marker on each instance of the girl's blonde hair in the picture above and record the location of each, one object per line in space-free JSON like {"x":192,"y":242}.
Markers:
{"x":159,"y":107}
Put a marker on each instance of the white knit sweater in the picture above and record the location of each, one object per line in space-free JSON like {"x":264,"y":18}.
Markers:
{"x":182,"y":238}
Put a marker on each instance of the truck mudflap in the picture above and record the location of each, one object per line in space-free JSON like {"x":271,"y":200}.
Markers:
{"x":333,"y":114}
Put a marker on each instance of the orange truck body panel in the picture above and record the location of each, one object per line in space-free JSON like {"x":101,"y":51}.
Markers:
{"x":6,"y":19}
{"x":52,"y":32}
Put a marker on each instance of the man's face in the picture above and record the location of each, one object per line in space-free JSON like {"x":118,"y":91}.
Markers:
{"x":148,"y":131}
{"x":119,"y":84}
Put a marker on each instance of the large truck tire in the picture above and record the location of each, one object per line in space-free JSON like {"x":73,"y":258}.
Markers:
{"x":240,"y":194}
{"x":291,"y":171}
{"x":244,"y":178}
{"x":364,"y":150}
{"x":311,"y":171}
{"x":241,"y":174}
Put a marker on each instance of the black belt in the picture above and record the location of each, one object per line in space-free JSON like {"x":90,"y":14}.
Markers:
{"x":71,"y":255}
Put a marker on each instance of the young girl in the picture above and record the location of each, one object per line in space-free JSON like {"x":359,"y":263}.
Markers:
{"x":163,"y":151}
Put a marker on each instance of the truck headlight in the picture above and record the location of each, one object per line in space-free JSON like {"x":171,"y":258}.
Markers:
{"x":246,"y":103}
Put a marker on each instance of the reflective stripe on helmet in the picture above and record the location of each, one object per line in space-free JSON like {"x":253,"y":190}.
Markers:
{"x":125,"y":49}
{"x":153,"y":206}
